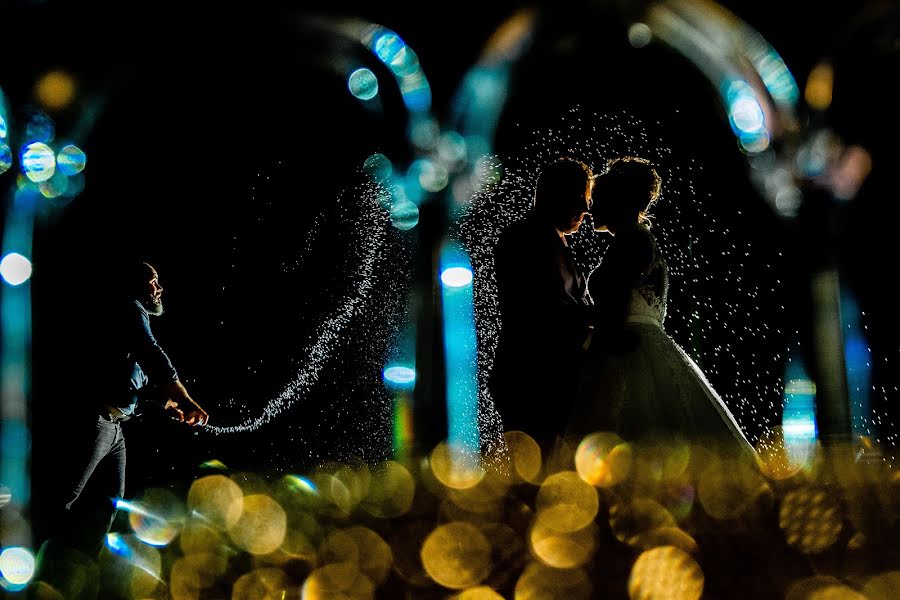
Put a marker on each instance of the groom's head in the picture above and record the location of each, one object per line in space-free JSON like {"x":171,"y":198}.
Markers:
{"x":563,"y":193}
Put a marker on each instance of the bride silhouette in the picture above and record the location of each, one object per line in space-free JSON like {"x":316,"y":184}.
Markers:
{"x":637,"y":382}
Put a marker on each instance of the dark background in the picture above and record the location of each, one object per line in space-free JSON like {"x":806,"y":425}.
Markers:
{"x":221,"y":135}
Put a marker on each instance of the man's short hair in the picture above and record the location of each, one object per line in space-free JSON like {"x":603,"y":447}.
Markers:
{"x":563,"y":178}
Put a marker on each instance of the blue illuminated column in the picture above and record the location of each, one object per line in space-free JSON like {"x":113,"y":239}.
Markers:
{"x":460,"y":348}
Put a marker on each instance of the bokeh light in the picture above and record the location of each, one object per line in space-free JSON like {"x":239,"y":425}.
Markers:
{"x":56,"y":186}
{"x":16,"y":567}
{"x":337,"y":580}
{"x":262,"y":584}
{"x":457,"y":555}
{"x":639,"y":35}
{"x":456,"y":467}
{"x":371,"y":553}
{"x":5,"y":158}
{"x":566,"y":503}
{"x":456,"y":276}
{"x":603,"y":459}
{"x":363,"y":84}
{"x":779,"y":459}
{"x":262,"y":525}
{"x":217,"y":499}
{"x":38,"y":162}
{"x":391,"y":491}
{"x":629,"y":519}
{"x":39,"y":129}
{"x":71,"y":160}
{"x":524,"y":456}
{"x":540,"y":582}
{"x":480,"y":592}
{"x":811,"y":519}
{"x":563,"y":550}
{"x":824,"y":587}
{"x":130,"y":568}
{"x":404,"y":215}
{"x":55,"y":90}
{"x":15,"y":268}
{"x":883,"y":586}
{"x":379,"y":167}
{"x":399,"y":376}
{"x":156,"y":517}
{"x":819,"y":86}
{"x":665,"y":572}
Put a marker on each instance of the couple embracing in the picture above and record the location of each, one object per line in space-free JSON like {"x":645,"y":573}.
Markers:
{"x":578,"y":355}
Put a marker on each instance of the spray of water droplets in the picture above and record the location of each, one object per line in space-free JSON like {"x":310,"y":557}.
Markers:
{"x":365,"y":278}
{"x":726,"y":283}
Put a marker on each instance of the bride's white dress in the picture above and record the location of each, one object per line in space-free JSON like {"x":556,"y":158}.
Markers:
{"x":636,"y":380}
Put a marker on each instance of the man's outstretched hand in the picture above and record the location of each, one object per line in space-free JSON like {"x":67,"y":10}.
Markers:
{"x":183,"y":407}
{"x":194,"y":415}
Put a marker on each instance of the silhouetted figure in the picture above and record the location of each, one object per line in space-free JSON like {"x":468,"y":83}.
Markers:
{"x":542,"y":297}
{"x":126,"y":366}
{"x":637,"y":381}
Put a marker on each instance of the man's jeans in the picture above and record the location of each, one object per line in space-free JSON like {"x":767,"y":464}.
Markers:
{"x":96,"y":481}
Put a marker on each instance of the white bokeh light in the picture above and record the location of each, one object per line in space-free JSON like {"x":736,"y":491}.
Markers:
{"x":15,"y":268}
{"x":456,"y":276}
{"x":16,"y":565}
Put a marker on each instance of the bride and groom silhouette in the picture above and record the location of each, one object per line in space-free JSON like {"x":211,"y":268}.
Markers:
{"x":579,"y":355}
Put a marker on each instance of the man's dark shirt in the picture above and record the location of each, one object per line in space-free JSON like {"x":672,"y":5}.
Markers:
{"x":139,"y":359}
{"x":542,"y":300}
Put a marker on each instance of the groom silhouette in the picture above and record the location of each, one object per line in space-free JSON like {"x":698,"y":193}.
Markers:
{"x":541,"y":296}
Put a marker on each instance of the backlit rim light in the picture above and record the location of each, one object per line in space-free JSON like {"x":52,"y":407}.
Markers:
{"x":456,"y":276}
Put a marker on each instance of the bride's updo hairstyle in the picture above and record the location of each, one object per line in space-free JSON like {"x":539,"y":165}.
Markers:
{"x":630,"y":186}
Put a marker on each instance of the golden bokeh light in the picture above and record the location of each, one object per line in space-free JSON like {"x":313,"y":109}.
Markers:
{"x":565,"y":502}
{"x":261,"y":584}
{"x":130,"y":568}
{"x":883,"y":586}
{"x":485,"y":498}
{"x":481,"y":592}
{"x":540,"y":582}
{"x":184,"y":582}
{"x":335,"y":492}
{"x":603,"y":459}
{"x":811,"y":519}
{"x":728,"y":488}
{"x":665,"y":572}
{"x":391,"y":491}
{"x":456,"y":468}
{"x":261,"y":527}
{"x":297,"y":546}
{"x":199,"y":537}
{"x":216,"y":498}
{"x":363,"y":547}
{"x":157,"y":516}
{"x":664,"y":536}
{"x":457,"y":555}
{"x":778,"y":459}
{"x":563,"y":550}
{"x":819,"y":86}
{"x":631,"y":518}
{"x":55,"y":90}
{"x":822,"y":587}
{"x":207,"y":567}
{"x":337,"y":581}
{"x":524,"y":456}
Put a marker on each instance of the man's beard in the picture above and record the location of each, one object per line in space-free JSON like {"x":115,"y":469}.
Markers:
{"x":153,"y":307}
